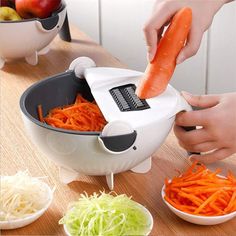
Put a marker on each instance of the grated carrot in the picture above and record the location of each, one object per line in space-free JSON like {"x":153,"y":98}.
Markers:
{"x":200,"y":191}
{"x":80,"y":116}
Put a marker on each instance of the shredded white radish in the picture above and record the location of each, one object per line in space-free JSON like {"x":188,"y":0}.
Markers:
{"x":21,"y":195}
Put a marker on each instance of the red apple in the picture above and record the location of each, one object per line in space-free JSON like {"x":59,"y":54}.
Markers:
{"x":7,"y":3}
{"x":36,"y":8}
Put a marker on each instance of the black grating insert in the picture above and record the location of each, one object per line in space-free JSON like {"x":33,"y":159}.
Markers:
{"x":126,"y":99}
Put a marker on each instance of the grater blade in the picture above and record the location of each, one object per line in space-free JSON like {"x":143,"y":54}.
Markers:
{"x":126,"y":99}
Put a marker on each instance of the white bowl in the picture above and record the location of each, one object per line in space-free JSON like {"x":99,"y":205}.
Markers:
{"x":18,"y":223}
{"x":86,"y":152}
{"x":146,"y":211}
{"x":195,"y":219}
{"x":30,"y":37}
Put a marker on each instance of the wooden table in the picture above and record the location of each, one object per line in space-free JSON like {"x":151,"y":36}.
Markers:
{"x":18,"y":153}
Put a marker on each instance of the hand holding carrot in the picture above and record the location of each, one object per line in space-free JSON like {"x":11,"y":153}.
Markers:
{"x":218,"y":122}
{"x":164,"y":10}
{"x":160,"y":70}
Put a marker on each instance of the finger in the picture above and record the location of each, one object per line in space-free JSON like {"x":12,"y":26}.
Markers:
{"x":151,"y":38}
{"x":154,"y":27}
{"x":203,"y":101}
{"x":216,"y":155}
{"x":161,"y":17}
{"x":192,"y":45}
{"x":201,"y":147}
{"x":192,"y":137}
{"x":192,"y":118}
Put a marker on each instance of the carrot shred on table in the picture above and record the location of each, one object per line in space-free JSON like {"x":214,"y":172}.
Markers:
{"x":200,"y":191}
{"x":80,"y":116}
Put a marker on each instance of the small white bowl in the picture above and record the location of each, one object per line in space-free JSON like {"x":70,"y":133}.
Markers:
{"x":146,"y":211}
{"x":18,"y":223}
{"x":195,"y":219}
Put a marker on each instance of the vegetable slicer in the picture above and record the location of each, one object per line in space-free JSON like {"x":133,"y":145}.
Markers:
{"x":135,"y":128}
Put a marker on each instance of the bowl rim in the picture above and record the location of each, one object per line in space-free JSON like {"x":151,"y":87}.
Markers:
{"x":29,"y":217}
{"x":145,"y":210}
{"x":58,"y":11}
{"x":192,"y":215}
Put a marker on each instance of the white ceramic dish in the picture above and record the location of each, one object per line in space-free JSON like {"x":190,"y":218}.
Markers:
{"x":18,"y":223}
{"x":147,"y":212}
{"x":200,"y":220}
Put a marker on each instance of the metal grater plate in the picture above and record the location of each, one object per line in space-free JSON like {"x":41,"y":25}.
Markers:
{"x":126,"y":99}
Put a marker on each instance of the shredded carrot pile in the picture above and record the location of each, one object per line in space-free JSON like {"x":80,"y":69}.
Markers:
{"x":200,"y":191}
{"x":81,"y":116}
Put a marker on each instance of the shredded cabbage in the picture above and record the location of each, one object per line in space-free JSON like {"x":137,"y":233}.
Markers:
{"x":104,"y":214}
{"x":21,"y":195}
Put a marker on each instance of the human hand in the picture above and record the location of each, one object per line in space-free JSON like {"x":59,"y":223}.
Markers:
{"x":203,"y":14}
{"x":218,"y":122}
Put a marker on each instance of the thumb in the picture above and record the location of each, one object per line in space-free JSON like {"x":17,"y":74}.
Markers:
{"x":191,"y":47}
{"x":202,"y":101}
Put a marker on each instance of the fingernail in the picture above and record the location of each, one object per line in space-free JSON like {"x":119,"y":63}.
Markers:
{"x":180,"y":59}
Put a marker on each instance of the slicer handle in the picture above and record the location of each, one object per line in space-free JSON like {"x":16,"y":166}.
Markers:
{"x":118,"y":143}
{"x":184,"y":106}
{"x":117,"y":137}
{"x":48,"y":24}
{"x":189,"y":128}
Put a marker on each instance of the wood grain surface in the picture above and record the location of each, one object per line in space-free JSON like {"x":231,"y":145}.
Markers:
{"x":18,"y":153}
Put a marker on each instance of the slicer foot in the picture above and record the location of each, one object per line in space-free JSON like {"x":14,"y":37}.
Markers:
{"x":143,"y":167}
{"x":110,"y":181}
{"x":44,"y":50}
{"x":67,"y":175}
{"x":32,"y":59}
{"x":2,"y":63}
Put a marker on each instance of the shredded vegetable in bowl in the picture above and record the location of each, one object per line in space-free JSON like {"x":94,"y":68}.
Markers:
{"x":104,"y":214}
{"x":22,"y":196}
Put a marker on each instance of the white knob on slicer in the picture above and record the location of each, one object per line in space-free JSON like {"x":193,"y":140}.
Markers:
{"x":80,"y":64}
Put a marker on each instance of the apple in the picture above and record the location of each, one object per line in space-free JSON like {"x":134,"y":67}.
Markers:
{"x":7,"y":3}
{"x":8,"y":14}
{"x":36,"y":8}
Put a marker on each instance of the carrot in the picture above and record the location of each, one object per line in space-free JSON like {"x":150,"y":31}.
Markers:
{"x":160,"y":70}
{"x":231,"y":202}
{"x":82,"y":116}
{"x":212,"y":198}
{"x":200,"y":191}
{"x":40,"y":113}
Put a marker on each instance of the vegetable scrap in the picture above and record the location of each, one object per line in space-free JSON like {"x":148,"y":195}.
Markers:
{"x":81,"y":116}
{"x":105,"y":214}
{"x":200,"y":191}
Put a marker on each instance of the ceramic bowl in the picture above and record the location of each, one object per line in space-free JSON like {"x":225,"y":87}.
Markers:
{"x":146,"y":211}
{"x":196,"y":219}
{"x":18,"y":223}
